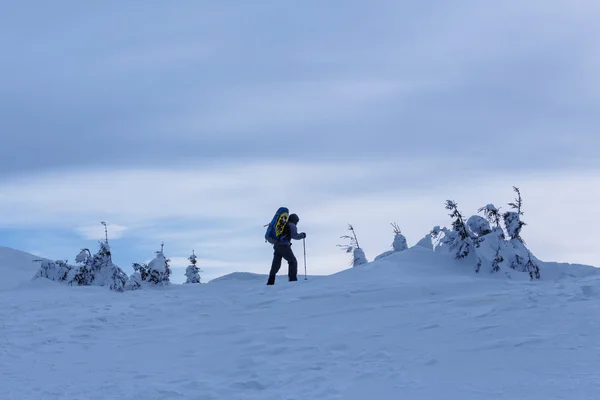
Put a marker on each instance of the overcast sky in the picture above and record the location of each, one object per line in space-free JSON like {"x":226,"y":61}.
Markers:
{"x":192,"y":122}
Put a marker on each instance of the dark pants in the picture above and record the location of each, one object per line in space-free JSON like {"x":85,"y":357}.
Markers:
{"x":283,"y":252}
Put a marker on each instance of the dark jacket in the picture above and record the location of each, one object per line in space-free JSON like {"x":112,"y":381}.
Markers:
{"x":289,"y":232}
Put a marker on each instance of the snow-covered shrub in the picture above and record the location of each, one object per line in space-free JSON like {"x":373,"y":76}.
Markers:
{"x":491,"y":246}
{"x":54,"y":270}
{"x":512,"y":219}
{"x":358,"y":255}
{"x":159,"y":270}
{"x":156,"y":272}
{"x":456,"y":241}
{"x":514,"y":226}
{"x":97,"y":270}
{"x":399,"y":243}
{"x":492,"y":214}
{"x":192,"y":272}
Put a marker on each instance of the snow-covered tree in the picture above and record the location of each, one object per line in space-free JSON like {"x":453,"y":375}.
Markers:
{"x":399,"y":243}
{"x":358,"y":255}
{"x":54,"y":270}
{"x":192,"y":272}
{"x":489,"y":244}
{"x":492,"y":214}
{"x":96,"y":270}
{"x":156,"y":272}
{"x":159,"y":269}
{"x":512,"y":219}
{"x":457,"y":241}
{"x":514,"y":225}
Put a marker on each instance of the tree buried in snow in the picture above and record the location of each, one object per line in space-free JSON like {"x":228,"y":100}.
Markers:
{"x":156,"y":272}
{"x":192,"y":272}
{"x":358,"y":255}
{"x":399,"y":244}
{"x":96,"y":270}
{"x":458,"y":240}
{"x":486,"y":243}
{"x":54,"y":270}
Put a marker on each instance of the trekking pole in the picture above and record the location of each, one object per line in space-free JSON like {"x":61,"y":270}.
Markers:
{"x":304,"y":244}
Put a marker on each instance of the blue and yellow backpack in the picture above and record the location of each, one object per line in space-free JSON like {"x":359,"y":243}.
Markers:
{"x":277,"y":226}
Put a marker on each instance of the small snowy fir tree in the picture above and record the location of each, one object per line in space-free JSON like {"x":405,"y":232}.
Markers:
{"x":159,"y":269}
{"x":512,"y":219}
{"x":457,"y":241}
{"x":358,"y":254}
{"x":54,"y":270}
{"x":84,"y":275}
{"x":514,"y":226}
{"x":192,"y":272}
{"x":398,"y":245}
{"x":492,"y":214}
{"x":156,"y":272}
{"x":98,"y":270}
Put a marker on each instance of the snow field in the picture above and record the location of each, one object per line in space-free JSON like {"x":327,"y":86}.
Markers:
{"x":415,"y":325}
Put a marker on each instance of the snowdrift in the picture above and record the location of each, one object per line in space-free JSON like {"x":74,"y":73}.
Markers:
{"x":16,"y":267}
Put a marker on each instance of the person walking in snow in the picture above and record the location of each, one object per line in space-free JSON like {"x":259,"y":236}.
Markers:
{"x":283,"y":250}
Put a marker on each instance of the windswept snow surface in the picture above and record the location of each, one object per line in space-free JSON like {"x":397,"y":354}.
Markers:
{"x":16,"y":268}
{"x":415,"y":325}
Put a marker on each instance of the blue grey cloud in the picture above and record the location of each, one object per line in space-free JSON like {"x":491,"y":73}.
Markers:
{"x":111,"y":83}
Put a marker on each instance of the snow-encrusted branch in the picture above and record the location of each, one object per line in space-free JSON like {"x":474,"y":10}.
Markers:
{"x":353,"y":240}
{"x":492,"y":214}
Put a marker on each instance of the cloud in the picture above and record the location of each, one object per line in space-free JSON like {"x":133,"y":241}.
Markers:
{"x":220,"y":212}
{"x":128,"y":197}
{"x":97,"y":232}
{"x":268,"y":107}
{"x":241,"y":81}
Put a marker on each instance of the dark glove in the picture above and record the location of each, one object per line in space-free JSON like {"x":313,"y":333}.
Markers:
{"x":303,"y":234}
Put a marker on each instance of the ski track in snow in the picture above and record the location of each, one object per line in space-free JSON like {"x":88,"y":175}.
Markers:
{"x":412,"y":330}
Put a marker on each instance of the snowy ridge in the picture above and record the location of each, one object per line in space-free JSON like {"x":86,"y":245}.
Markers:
{"x":16,"y":267}
{"x":416,"y":325}
{"x":241,"y":276}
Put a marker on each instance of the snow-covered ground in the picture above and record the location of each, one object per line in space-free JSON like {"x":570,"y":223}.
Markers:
{"x":414,"y":325}
{"x":16,"y":267}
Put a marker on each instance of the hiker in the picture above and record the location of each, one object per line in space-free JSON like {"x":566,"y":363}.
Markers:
{"x":283,"y":250}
